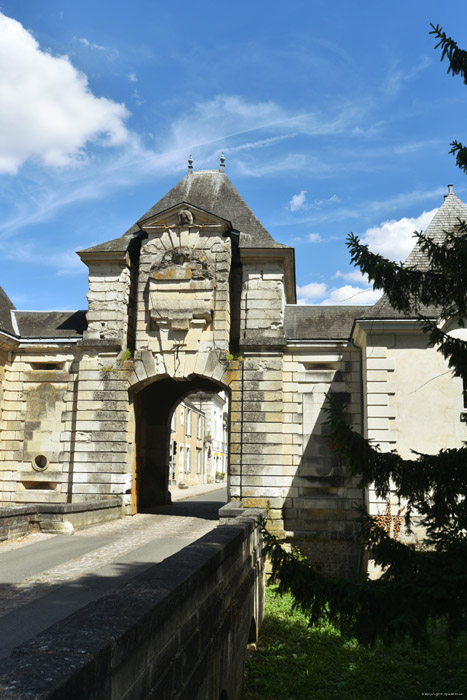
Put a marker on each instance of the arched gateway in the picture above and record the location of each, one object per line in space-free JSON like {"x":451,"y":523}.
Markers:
{"x":154,"y":407}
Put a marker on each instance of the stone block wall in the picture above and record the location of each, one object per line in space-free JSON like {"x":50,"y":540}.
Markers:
{"x":263,"y":299}
{"x":108,"y":299}
{"x":103,"y":444}
{"x":320,"y":510}
{"x":280,"y":458}
{"x":411,"y":402}
{"x":39,"y":387}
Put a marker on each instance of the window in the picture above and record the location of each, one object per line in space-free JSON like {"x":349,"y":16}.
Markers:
{"x":199,"y":433}
{"x":187,"y":460}
{"x":199,"y":461}
{"x":188,"y":421}
{"x":181,"y":455}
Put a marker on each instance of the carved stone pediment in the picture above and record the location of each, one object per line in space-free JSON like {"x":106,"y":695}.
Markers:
{"x":181,"y":290}
{"x":184,"y":216}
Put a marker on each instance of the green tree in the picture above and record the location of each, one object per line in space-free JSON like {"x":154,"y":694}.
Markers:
{"x":418,"y":584}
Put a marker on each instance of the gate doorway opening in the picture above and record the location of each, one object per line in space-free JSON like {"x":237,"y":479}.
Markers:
{"x":182,"y":438}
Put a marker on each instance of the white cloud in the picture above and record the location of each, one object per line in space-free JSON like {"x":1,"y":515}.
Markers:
{"x":309,"y":293}
{"x":320,"y":294}
{"x":314,"y":237}
{"x":353,"y":276}
{"x":132,"y":78}
{"x":47,"y":111}
{"x":298,"y":200}
{"x":394,"y":239}
{"x":351,"y":296}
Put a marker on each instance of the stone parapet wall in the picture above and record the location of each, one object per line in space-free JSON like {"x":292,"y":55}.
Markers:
{"x":56,"y":518}
{"x":179,"y":630}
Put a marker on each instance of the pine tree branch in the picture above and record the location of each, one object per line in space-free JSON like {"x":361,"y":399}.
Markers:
{"x":418,"y":588}
{"x":449,"y":49}
{"x":460,"y":152}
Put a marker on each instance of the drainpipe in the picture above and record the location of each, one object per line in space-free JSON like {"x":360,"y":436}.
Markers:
{"x":362,"y":425}
{"x":241,"y":432}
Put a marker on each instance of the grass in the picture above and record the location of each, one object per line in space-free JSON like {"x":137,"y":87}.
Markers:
{"x":297,"y":662}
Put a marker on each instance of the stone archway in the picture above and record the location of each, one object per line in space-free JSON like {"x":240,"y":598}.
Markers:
{"x":154,"y":406}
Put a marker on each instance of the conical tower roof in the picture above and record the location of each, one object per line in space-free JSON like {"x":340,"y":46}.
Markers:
{"x":213,"y":192}
{"x":446,"y":219}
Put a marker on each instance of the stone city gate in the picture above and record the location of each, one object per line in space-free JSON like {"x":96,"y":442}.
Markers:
{"x":195,"y":296}
{"x":201,"y":305}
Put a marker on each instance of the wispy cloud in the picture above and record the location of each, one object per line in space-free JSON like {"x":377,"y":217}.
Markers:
{"x":370,"y":210}
{"x":298,"y":200}
{"x":63,"y":263}
{"x":90,"y":45}
{"x":397,"y":77}
{"x":111,"y":54}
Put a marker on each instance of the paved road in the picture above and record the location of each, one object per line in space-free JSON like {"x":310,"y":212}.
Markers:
{"x":46,"y":577}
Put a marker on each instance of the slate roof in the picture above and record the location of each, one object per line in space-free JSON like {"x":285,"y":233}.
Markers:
{"x":51,"y":324}
{"x":212,"y":191}
{"x":6,"y":306}
{"x":446,"y":219}
{"x":320,"y":322}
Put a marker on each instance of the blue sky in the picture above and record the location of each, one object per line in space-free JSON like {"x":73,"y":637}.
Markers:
{"x":334,"y":117}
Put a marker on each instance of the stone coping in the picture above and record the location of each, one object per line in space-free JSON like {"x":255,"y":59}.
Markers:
{"x":14,"y":510}
{"x":59,"y":518}
{"x":59,"y":508}
{"x":79,"y":507}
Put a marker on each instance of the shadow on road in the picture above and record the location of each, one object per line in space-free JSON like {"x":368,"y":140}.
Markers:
{"x":207,"y":510}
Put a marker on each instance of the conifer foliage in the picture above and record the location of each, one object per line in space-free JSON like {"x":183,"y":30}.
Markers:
{"x":429,"y":582}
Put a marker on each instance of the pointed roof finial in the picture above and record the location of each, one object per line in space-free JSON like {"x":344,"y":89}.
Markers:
{"x":450,"y":189}
{"x":222,"y":168}
{"x":190,"y":164}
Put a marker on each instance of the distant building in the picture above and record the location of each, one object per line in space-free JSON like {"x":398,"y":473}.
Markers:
{"x":216,"y":439}
{"x":199,"y":440}
{"x":187,"y":460}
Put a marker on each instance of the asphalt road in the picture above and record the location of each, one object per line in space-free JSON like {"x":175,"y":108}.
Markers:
{"x":44,"y":581}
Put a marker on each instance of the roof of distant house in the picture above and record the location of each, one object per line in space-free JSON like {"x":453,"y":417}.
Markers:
{"x":320,"y":322}
{"x":51,"y":324}
{"x":6,"y":306}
